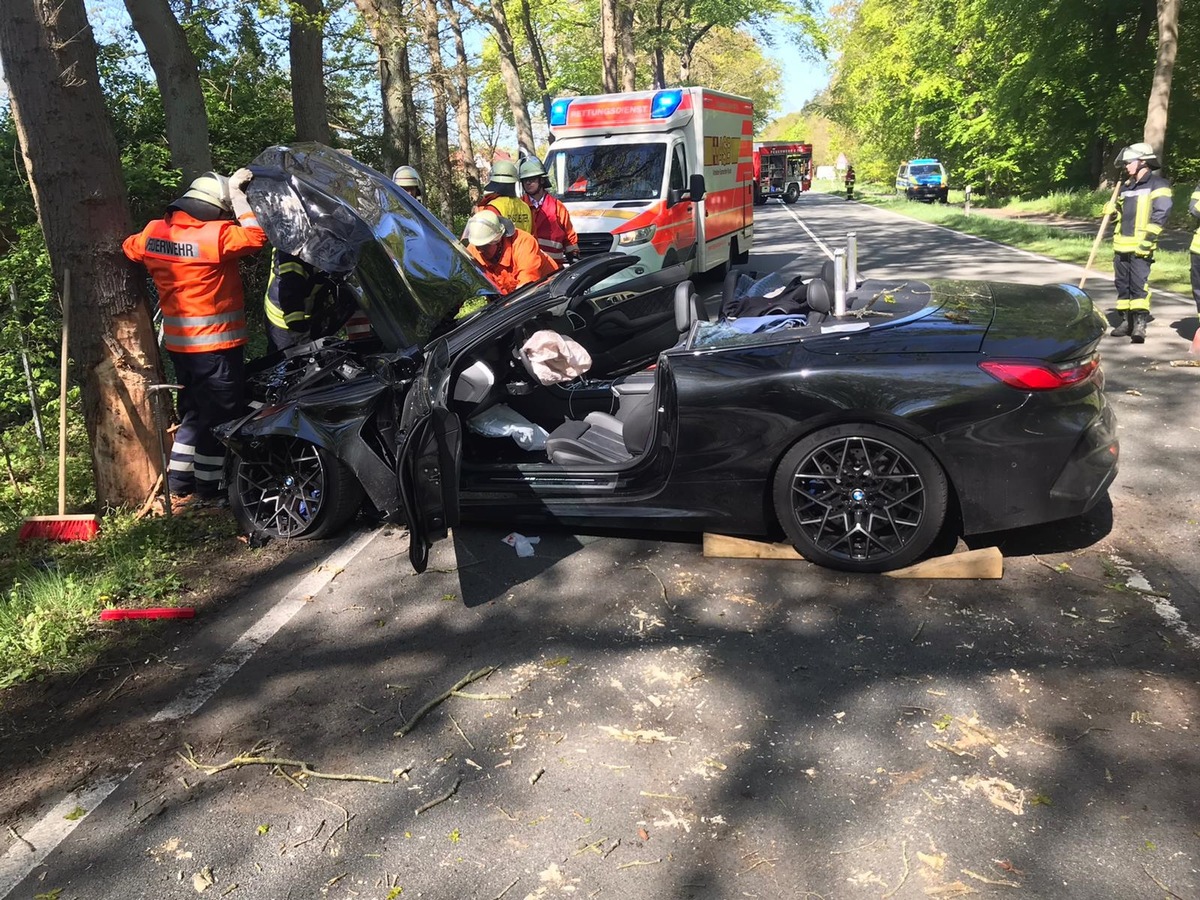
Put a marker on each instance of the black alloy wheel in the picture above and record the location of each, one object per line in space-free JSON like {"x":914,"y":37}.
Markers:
{"x":860,"y":498}
{"x":289,"y":488}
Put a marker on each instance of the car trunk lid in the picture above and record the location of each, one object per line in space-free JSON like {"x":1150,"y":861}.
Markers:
{"x":1053,"y":322}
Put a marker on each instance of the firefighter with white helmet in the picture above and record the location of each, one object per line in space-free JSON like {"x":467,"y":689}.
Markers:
{"x":409,"y":179}
{"x":551,"y":221}
{"x":511,"y":258}
{"x":1142,"y":206}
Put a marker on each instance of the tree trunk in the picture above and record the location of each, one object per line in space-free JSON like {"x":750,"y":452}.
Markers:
{"x":49,"y":59}
{"x":461,"y":96}
{"x":510,"y":76}
{"x":625,"y":39}
{"x":387,"y":26}
{"x":539,"y":59}
{"x":660,"y":64}
{"x":178,"y":78}
{"x":306,"y":55}
{"x":685,"y":55}
{"x":608,"y":45}
{"x":1155,"y":132}
{"x":439,"y":169}
{"x":416,"y":150}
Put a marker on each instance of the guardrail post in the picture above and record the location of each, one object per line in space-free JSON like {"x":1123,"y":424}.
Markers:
{"x":967,"y":202}
{"x":839,"y":283}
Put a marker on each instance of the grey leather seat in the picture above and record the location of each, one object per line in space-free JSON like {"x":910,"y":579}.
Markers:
{"x":603,"y":439}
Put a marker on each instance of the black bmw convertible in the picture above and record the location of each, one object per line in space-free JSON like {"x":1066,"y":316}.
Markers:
{"x":861,"y":430}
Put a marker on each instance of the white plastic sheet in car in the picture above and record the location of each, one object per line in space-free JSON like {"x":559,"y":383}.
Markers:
{"x":504,"y":421}
{"x":553,"y":358}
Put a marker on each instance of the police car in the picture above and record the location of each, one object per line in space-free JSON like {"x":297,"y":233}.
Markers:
{"x":923,"y":179}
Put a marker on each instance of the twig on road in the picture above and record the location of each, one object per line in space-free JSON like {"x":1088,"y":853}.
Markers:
{"x":442,"y":799}
{"x":13,"y":832}
{"x":1161,"y":886}
{"x":904,"y":877}
{"x":305,"y":771}
{"x":442,"y":698}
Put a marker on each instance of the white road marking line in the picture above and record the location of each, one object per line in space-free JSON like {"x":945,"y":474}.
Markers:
{"x":19,"y":860}
{"x":1162,"y":606}
{"x":816,"y":240}
{"x":209,"y":682}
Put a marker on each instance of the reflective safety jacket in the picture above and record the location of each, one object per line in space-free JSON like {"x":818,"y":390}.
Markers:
{"x":294,"y":291}
{"x":521,"y":261}
{"x":552,"y":227}
{"x":514,"y":209}
{"x":1194,"y":209}
{"x":194,"y":267}
{"x":1142,"y":209}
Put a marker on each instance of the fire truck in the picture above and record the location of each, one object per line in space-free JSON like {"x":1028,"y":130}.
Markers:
{"x":664,"y":176}
{"x":782,"y":169}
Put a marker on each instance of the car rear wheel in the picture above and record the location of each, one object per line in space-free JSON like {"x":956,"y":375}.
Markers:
{"x":860,"y":498}
{"x":289,"y":488}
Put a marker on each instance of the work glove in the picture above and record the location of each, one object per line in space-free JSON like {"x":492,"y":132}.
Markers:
{"x":1109,"y":209}
{"x":572,"y":254}
{"x":237,"y":192}
{"x":1145,"y":249}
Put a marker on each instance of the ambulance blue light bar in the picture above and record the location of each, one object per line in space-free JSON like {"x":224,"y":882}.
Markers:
{"x":665,"y":103}
{"x":558,"y":111}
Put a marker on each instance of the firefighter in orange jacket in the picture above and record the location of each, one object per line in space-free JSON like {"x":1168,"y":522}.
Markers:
{"x":551,"y":222}
{"x":510,"y":257}
{"x":192,"y":254}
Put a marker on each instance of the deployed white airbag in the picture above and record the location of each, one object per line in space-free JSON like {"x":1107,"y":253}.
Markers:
{"x":552,"y":358}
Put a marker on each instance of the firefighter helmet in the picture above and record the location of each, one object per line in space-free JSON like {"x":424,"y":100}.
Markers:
{"x":532,"y":168}
{"x":1140,"y":152}
{"x":487,"y":226}
{"x":503,"y":172}
{"x":408,"y":177}
{"x":210,"y":188}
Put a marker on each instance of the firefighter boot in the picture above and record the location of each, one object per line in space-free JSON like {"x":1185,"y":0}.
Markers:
{"x":1137,"y":330}
{"x":1126,"y":325}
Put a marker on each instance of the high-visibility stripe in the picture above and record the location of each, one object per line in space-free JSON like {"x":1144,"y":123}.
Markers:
{"x":220,"y":340}
{"x":204,"y":321}
{"x":180,"y":465}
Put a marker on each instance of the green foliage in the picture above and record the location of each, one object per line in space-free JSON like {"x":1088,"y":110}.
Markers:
{"x":51,"y":594}
{"x":1015,"y":96}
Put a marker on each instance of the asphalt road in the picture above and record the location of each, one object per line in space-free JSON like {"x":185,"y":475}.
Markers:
{"x":661,"y":725}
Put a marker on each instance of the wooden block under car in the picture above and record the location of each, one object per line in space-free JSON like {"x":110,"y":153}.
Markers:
{"x":987,"y":562}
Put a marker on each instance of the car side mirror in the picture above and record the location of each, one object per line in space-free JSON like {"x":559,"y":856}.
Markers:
{"x":696,"y":188}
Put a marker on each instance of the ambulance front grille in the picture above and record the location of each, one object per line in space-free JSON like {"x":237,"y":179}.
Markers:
{"x":593,"y":242}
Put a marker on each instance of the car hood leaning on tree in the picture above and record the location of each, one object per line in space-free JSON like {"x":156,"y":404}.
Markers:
{"x":344,"y":218}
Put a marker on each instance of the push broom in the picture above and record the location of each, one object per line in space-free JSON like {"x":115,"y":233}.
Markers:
{"x":61,"y":527}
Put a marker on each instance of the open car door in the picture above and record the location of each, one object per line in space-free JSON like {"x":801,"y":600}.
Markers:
{"x":429,"y":458}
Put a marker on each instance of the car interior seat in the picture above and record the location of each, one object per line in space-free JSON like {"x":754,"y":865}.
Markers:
{"x":687,"y":308}
{"x":820,"y":300}
{"x":602,"y":439}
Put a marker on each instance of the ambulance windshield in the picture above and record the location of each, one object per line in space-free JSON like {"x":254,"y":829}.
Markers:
{"x":607,"y":172}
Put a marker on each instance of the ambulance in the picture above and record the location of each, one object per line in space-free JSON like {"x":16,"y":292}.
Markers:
{"x":665,"y":176}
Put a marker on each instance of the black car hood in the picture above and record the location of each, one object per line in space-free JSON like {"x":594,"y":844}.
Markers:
{"x":345,"y":218}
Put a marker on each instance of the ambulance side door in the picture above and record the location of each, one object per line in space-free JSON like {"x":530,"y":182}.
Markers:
{"x":683,"y":214}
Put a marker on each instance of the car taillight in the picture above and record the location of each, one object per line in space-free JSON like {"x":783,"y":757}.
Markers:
{"x":1041,"y":376}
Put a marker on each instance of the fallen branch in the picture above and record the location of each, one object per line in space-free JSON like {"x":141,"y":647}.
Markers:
{"x":13,"y":832}
{"x":304,"y":770}
{"x":467,"y":696}
{"x":997,"y":881}
{"x":442,"y":698}
{"x":640,"y":862}
{"x":145,"y":508}
{"x":904,"y":877}
{"x":442,"y":799}
{"x":507,"y":889}
{"x":1161,"y":886}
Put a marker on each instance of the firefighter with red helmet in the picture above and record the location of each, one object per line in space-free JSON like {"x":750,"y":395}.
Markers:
{"x":192,"y":255}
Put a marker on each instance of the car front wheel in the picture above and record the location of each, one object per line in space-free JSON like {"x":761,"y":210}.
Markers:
{"x":792,"y":194}
{"x":289,"y":488}
{"x":860,"y":498}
